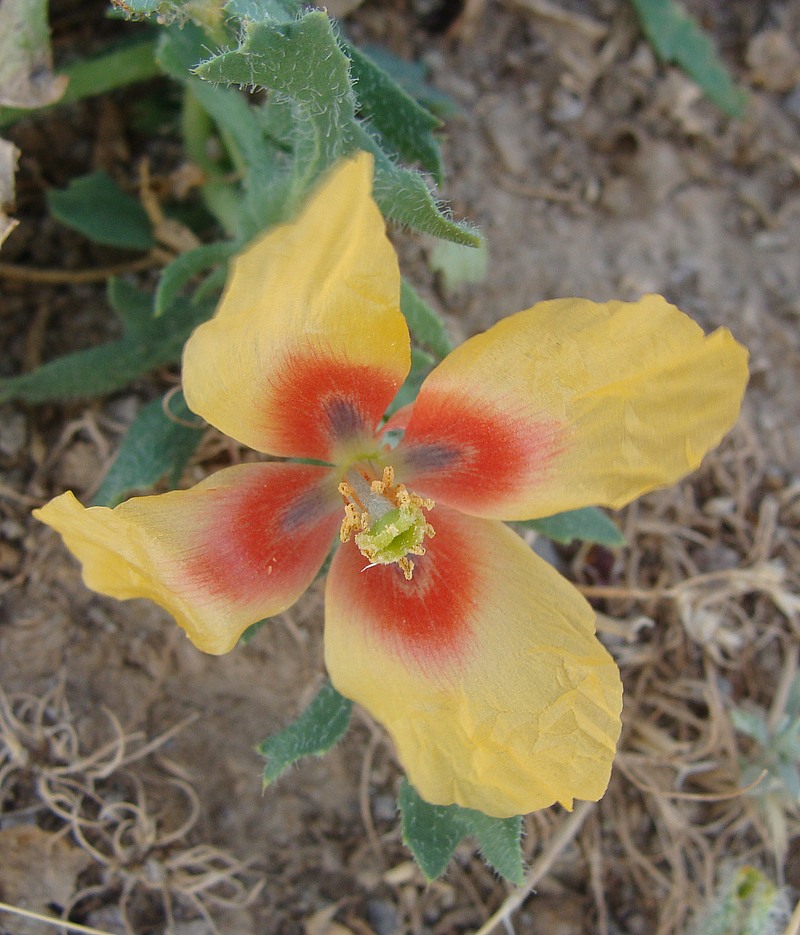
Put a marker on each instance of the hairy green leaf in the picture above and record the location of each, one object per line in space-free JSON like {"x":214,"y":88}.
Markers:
{"x":302,"y":60}
{"x":403,"y":127}
{"x":179,"y":52}
{"x":404,"y":198}
{"x":149,"y":7}
{"x":588,"y":524}
{"x":316,"y":730}
{"x":99,"y":209}
{"x":499,"y":841}
{"x":412,"y":78}
{"x":259,"y":11}
{"x":259,"y":200}
{"x":205,"y":13}
{"x":677,"y":38}
{"x":432,"y":832}
{"x":157,"y":443}
{"x":146,"y":343}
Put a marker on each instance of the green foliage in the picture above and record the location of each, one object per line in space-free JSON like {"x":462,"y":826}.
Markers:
{"x":421,"y":365}
{"x":773,"y":763}
{"x":158,"y":442}
{"x":746,"y":903}
{"x":424,"y":324}
{"x":303,"y":61}
{"x":261,"y":10}
{"x":404,"y":198}
{"x":187,"y":265}
{"x":588,"y":524}
{"x":146,"y":343}
{"x":400,"y":125}
{"x":260,"y":160}
{"x":152,"y":7}
{"x":432,"y":833}
{"x":97,"y":207}
{"x":316,"y":730}
{"x":412,"y":78}
{"x":206,"y":13}
{"x":677,"y":38}
{"x":256,"y":197}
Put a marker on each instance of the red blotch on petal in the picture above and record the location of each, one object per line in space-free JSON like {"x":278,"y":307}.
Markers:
{"x":424,"y":620}
{"x":470,"y":455}
{"x":266,"y":535}
{"x":324,"y":401}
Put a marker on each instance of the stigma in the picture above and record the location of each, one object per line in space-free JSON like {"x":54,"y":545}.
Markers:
{"x":386,"y":520}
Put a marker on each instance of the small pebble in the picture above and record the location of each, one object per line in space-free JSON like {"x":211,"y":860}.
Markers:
{"x":383,"y":917}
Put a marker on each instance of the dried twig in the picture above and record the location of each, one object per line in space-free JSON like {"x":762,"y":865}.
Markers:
{"x":49,"y":920}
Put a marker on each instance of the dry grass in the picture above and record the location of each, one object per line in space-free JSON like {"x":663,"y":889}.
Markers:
{"x":134,"y":818}
{"x":704,"y":615}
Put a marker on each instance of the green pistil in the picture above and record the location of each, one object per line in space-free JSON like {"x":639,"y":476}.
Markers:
{"x":393,"y":535}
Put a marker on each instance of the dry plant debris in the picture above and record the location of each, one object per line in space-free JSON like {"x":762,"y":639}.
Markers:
{"x":114,"y":836}
{"x":713,"y":565}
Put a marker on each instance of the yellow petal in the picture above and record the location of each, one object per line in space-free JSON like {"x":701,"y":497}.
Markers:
{"x":484,"y":668}
{"x":572,"y":403}
{"x":308,"y":345}
{"x":242,"y":545}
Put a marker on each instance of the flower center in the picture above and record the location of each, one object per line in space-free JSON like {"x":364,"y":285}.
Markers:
{"x":387,"y":519}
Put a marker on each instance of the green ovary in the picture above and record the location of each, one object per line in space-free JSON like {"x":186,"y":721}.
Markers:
{"x":394,"y":535}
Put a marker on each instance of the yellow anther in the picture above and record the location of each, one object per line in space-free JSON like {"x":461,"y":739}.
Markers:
{"x":385,"y":518}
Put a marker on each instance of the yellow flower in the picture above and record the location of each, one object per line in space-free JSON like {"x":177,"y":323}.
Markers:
{"x":480,"y":660}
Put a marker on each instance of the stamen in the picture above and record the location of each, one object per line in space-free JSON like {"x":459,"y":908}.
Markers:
{"x":385,"y":518}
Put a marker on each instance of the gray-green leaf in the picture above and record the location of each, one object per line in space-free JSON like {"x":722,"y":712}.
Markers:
{"x":424,"y":324}
{"x":588,"y":524}
{"x":146,"y":343}
{"x":432,"y":832}
{"x":259,"y":11}
{"x":316,"y":730}
{"x":403,"y":126}
{"x":301,"y":59}
{"x":677,"y":38}
{"x":176,"y":274}
{"x":97,"y":207}
{"x":154,"y":445}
